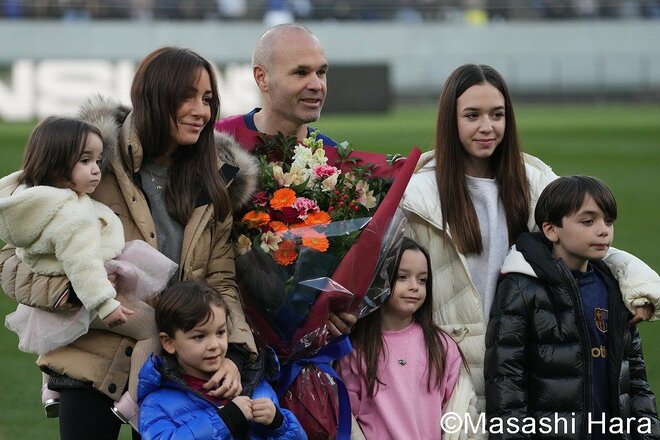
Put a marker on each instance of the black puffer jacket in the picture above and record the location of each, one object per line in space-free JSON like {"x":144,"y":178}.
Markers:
{"x":538,"y":354}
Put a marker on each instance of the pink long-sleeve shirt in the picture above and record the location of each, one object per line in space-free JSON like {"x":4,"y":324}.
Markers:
{"x":402,"y":407}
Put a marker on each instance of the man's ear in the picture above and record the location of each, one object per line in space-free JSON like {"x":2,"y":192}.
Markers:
{"x":167,"y":342}
{"x":260,"y":77}
{"x":550,"y":232}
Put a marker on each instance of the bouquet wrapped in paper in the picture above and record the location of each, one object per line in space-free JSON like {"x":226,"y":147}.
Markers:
{"x":313,"y":242}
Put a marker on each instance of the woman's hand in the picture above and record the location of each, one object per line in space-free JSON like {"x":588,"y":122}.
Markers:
{"x":226,"y":382}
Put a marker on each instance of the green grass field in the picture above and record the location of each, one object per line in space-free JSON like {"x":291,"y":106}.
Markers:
{"x":617,"y":143}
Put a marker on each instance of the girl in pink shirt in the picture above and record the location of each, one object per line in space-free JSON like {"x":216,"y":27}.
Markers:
{"x":403,"y":367}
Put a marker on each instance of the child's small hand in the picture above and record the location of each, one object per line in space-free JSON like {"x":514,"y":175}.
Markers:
{"x":263,"y":410}
{"x":244,"y":403}
{"x":118,"y":316}
{"x":642,"y":313}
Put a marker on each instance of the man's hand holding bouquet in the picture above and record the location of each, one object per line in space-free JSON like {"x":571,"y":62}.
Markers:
{"x":314,"y":241}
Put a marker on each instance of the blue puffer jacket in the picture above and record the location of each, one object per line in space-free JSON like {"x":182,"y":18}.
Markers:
{"x":169,"y":409}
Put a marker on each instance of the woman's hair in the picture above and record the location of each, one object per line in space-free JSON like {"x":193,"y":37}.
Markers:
{"x":565,"y":196}
{"x":162,"y":82}
{"x":506,"y":162}
{"x":367,"y":336}
{"x":52,"y":150}
{"x":185,"y":305}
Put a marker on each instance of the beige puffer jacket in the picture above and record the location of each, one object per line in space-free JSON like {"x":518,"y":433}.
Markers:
{"x":458,"y":308}
{"x":103,"y":358}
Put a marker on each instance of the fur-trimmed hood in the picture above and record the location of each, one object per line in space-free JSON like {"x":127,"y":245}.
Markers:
{"x":122,"y":147}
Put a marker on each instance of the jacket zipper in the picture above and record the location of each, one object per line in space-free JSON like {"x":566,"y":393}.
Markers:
{"x":575,"y":292}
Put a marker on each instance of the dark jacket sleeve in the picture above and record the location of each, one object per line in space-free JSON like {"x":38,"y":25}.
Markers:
{"x":641,"y":396}
{"x":505,"y":367}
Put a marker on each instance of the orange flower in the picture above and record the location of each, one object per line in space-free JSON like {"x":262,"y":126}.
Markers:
{"x":317,"y":218}
{"x":256,"y":218}
{"x":283,"y":197}
{"x":285,"y":254}
{"x":317,"y":242}
{"x":277,"y":226}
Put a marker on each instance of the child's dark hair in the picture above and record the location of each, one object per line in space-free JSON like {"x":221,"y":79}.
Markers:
{"x":185,"y":305}
{"x":367,"y":337}
{"x":565,"y":196}
{"x":52,"y":150}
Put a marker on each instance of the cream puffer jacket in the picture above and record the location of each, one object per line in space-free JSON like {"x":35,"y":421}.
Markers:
{"x":57,"y":231}
{"x":458,"y":308}
{"x":103,"y":358}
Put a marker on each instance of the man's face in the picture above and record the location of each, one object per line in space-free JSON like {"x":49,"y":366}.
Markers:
{"x":295,"y":82}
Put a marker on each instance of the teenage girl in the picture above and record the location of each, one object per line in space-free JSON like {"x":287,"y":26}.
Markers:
{"x":470,"y":199}
{"x":403,"y":368}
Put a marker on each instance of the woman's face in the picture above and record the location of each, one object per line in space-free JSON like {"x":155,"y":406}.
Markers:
{"x":481,"y":124}
{"x":193,"y":113}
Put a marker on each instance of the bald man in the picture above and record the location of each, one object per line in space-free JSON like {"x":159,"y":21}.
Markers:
{"x":289,"y":67}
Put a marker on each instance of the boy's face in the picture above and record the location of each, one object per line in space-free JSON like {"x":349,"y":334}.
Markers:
{"x":584,"y":235}
{"x":200,"y":351}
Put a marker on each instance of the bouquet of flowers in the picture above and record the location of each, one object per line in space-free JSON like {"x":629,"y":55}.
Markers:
{"x":314,"y":240}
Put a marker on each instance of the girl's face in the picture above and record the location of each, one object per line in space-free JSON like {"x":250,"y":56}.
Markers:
{"x":409,"y":290}
{"x":200,"y":351}
{"x":481,"y":124}
{"x":193,"y":113}
{"x":86,"y":174}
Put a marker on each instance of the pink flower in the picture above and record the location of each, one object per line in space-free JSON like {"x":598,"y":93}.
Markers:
{"x":322,"y":172}
{"x":304,"y":205}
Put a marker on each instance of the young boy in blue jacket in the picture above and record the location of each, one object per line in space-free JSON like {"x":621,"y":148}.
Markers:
{"x":192,"y":321}
{"x":561,"y":360}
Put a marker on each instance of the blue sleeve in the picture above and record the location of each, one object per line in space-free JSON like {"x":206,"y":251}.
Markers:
{"x":157,"y":421}
{"x":290,"y":428}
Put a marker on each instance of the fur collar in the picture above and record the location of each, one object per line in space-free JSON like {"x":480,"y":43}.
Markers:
{"x":122,"y":147}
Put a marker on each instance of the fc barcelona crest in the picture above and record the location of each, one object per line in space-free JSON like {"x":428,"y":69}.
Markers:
{"x":600,"y":317}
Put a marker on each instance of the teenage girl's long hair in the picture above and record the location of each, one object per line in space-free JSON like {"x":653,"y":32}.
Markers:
{"x":162,"y":82}
{"x":367,"y":336}
{"x":507,"y":164}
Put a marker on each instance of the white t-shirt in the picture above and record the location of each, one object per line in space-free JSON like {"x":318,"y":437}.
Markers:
{"x":485,"y":267}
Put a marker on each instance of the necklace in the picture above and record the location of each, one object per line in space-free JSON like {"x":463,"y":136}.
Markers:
{"x":153,"y":179}
{"x":401,"y":360}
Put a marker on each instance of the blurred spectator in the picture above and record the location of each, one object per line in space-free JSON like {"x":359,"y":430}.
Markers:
{"x":12,"y":9}
{"x":277,"y":12}
{"x":232,"y":9}
{"x":142,"y":9}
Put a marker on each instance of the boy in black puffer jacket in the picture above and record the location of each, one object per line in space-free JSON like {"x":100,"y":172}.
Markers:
{"x":561,"y":359}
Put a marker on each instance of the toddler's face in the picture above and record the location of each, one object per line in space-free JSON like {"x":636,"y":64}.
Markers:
{"x":86,"y":174}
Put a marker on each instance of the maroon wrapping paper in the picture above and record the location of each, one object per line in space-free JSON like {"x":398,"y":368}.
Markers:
{"x":362,"y":257}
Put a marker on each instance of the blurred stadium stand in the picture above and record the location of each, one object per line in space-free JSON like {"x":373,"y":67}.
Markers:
{"x":475,"y":11}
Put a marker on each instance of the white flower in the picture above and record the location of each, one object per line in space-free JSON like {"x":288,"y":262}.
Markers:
{"x":302,"y":156}
{"x":329,"y":183}
{"x":270,"y":241}
{"x":243,"y":245}
{"x":366,"y":197}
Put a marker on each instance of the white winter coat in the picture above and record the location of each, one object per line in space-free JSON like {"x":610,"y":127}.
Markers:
{"x":57,"y":232}
{"x":458,"y":307}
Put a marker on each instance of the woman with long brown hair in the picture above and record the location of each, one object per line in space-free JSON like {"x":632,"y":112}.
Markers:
{"x":470,"y":199}
{"x":175,"y":186}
